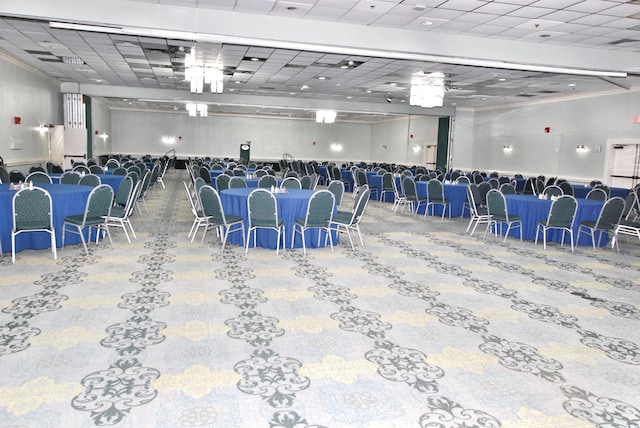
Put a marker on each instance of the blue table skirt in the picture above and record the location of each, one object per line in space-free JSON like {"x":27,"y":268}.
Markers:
{"x":456,"y":193}
{"x":66,"y":200}
{"x":580,"y":192}
{"x":111,"y":180}
{"x":291,"y":205}
{"x":347,"y":175}
{"x":532,"y":210}
{"x":323,"y":173}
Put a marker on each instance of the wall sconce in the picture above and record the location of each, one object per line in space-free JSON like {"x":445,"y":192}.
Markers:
{"x":325,"y":116}
{"x":336,"y":147}
{"x":168,"y":139}
{"x":581,"y":148}
{"x":416,"y":148}
{"x":507,"y":148}
{"x":104,"y":136}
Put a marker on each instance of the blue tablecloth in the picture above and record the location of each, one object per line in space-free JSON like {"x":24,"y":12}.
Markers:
{"x":322,"y":169}
{"x":251,"y":182}
{"x":581,"y":191}
{"x":375,"y":181}
{"x":291,"y":205}
{"x":456,"y":193}
{"x":66,"y":200}
{"x":532,"y":210}
{"x":111,"y":180}
{"x":347,"y":175}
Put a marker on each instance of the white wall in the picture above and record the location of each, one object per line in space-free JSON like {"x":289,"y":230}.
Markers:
{"x":589,"y":121}
{"x":37,"y":100}
{"x":101,"y":125}
{"x":138,"y":132}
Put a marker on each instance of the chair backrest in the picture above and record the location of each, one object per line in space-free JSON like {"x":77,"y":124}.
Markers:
{"x":120,"y":171}
{"x":291,"y":183}
{"x":552,"y":190}
{"x":237,"y":182}
{"x":630,"y":203}
{"x":336,"y":187}
{"x":211,"y":204}
{"x":36,"y":168}
{"x":473,"y":207}
{"x":146,"y":180}
{"x":611,"y":213}
{"x":112,"y":164}
{"x":222,"y":182}
{"x":96,"y":169}
{"x":597,"y":195}
{"x":99,"y":203}
{"x":462,"y":179}
{"x":435,"y":190}
{"x":362,"y":199}
{"x":266,"y":181}
{"x":16,"y":177}
{"x":483,"y":189}
{"x":90,"y":180}
{"x":507,"y":189}
{"x":81,"y":168}
{"x":409,"y":187}
{"x":305,"y":182}
{"x":70,"y":177}
{"x":562,"y":212}
{"x":239,"y":172}
{"x":263,"y":208}
{"x":260,"y":173}
{"x":567,"y":188}
{"x":362,"y":177}
{"x":124,"y":191}
{"x":320,"y":209}
{"x":38,"y":177}
{"x":497,"y":205}
{"x":477,"y":178}
{"x":387,"y":181}
{"x":32,"y":209}
{"x":494,"y":183}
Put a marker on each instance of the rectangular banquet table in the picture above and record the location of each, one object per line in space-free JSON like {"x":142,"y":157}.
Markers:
{"x":111,"y":180}
{"x":456,"y":193}
{"x":532,"y":210}
{"x":66,"y":199}
{"x":580,"y":192}
{"x":291,"y":205}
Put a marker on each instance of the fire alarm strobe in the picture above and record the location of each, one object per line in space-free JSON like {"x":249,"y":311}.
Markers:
{"x":17,"y":120}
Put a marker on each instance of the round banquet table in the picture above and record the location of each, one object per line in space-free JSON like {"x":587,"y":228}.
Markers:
{"x":66,"y":200}
{"x":112,"y":181}
{"x":532,"y":210}
{"x":291,"y":205}
{"x":456,"y":193}
{"x":581,"y":191}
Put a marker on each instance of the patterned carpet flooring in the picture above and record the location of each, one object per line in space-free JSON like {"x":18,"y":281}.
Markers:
{"x":425,"y":326}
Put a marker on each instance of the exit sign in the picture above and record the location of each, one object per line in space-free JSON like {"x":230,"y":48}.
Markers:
{"x":635,"y":119}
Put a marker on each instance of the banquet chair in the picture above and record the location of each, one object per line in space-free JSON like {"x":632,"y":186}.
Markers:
{"x":567,"y":188}
{"x":507,"y":189}
{"x":142,"y":194}
{"x":222,"y":182}
{"x":479,"y":215}
{"x":291,"y":183}
{"x":628,"y":224}
{"x":267,"y":181}
{"x":95,"y":216}
{"x":552,"y":190}
{"x":38,"y":177}
{"x":96,"y":169}
{"x":387,"y":184}
{"x":81,"y":169}
{"x":263,"y":214}
{"x":597,"y":195}
{"x":483,"y":189}
{"x":363,"y":181}
{"x":32,"y":212}
{"x":399,"y":198}
{"x":608,"y":219}
{"x":350,"y":220}
{"x":119,"y":171}
{"x":435,"y":196}
{"x":16,"y":176}
{"x":561,"y":216}
{"x":463,"y":179}
{"x":260,"y":173}
{"x":336,"y":187}
{"x":90,"y":180}
{"x":199,"y":218}
{"x":237,"y":182}
{"x":494,"y":183}
{"x":4,"y":175}
{"x":305,"y":182}
{"x":70,"y":177}
{"x":120,"y":213}
{"x":318,"y":216}
{"x":411,"y":194}
{"x":112,"y":164}
{"x":499,"y":215}
{"x":216,"y":217}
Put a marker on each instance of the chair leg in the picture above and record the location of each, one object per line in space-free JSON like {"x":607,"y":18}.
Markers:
{"x":53,"y":244}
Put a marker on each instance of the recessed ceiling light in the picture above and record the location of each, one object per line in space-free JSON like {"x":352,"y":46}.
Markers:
{"x":502,"y":79}
{"x":393,"y":84}
{"x":292,"y":8}
{"x":572,"y":84}
{"x":304,"y":87}
{"x":321,"y":77}
{"x":426,"y":23}
{"x":349,"y":97}
{"x":368,"y":91}
{"x":255,"y":59}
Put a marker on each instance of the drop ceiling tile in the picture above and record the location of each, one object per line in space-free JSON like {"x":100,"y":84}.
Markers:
{"x":531,"y":12}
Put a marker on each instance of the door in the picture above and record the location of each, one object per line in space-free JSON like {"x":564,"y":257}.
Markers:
{"x":75,"y":146}
{"x":56,"y":144}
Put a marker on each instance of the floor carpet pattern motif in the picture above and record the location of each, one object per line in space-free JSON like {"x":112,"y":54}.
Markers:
{"x":424,"y":326}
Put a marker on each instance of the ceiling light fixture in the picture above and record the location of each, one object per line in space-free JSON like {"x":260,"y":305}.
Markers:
{"x":325,"y":116}
{"x":427,"y":90}
{"x":200,"y":109}
{"x":199,"y":74}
